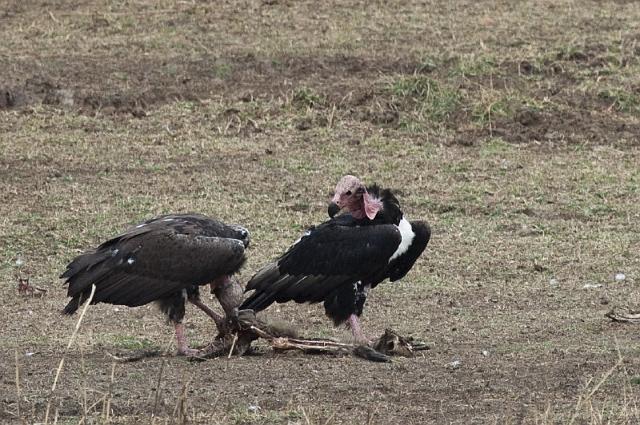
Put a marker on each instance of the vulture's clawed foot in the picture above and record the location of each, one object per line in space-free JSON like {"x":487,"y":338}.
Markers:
{"x":213,"y":349}
{"x":188,"y":352}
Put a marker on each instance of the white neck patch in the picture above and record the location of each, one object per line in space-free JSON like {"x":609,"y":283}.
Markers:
{"x":407,"y":238}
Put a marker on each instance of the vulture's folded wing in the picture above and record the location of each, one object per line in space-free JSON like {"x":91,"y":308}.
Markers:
{"x":139,"y":267}
{"x":323,"y":260}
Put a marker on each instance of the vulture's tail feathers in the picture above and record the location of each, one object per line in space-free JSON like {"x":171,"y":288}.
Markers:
{"x":73,"y":305}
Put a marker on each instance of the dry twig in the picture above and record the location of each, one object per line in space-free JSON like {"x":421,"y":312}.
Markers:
{"x":17,"y":384}
{"x":64,"y":354}
{"x":633,"y":318}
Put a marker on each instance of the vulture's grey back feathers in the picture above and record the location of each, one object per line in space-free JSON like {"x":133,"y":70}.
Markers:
{"x":156,"y":259}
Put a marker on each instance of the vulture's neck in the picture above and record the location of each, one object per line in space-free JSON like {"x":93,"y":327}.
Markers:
{"x":389,"y":211}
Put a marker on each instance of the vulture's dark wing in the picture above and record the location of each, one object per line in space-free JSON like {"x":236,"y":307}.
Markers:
{"x":151,"y":262}
{"x":336,"y":253}
{"x":336,"y":249}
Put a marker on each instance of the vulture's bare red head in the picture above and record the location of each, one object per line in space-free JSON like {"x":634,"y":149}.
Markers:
{"x":351,"y":195}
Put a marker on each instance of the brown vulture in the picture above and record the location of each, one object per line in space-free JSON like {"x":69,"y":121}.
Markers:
{"x":166,"y":260}
{"x":338,"y":261}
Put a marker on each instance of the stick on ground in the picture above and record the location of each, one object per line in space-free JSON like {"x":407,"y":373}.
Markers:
{"x":64,"y":354}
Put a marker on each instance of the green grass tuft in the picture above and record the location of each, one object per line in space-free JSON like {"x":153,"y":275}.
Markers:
{"x":474,"y":67}
{"x":621,"y":99}
{"x":435,"y":101}
{"x":127,"y":342}
{"x":485,"y":113}
{"x":307,"y":97}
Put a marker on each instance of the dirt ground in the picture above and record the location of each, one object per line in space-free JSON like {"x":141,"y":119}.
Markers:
{"x":511,"y":127}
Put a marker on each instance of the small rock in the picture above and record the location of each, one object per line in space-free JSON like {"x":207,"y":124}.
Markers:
{"x":619,"y":277}
{"x":454,"y":364}
{"x":485,"y":353}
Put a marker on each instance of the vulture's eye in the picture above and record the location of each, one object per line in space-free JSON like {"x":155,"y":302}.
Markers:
{"x":348,"y":193}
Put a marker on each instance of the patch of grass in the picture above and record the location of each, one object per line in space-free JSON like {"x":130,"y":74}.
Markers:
{"x":494,"y":104}
{"x":390,"y":146}
{"x":222,"y":70}
{"x":484,"y":113}
{"x":474,"y":66}
{"x":127,"y":342}
{"x":307,"y":97}
{"x":596,"y":211}
{"x":495,"y":146}
{"x":171,"y":69}
{"x":411,"y":125}
{"x":186,"y":106}
{"x":300,"y":167}
{"x":621,"y":100}
{"x":436,"y":101}
{"x":570,"y":52}
{"x":254,"y":415}
{"x":427,"y":64}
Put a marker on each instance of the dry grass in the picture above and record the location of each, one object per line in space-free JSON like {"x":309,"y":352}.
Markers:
{"x":511,"y":127}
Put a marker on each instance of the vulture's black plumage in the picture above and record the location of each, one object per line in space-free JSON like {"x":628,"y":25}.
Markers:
{"x":164,"y":259}
{"x":338,"y":261}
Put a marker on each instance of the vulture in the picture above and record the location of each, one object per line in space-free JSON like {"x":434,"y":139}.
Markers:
{"x":340,"y":260}
{"x":165,"y":259}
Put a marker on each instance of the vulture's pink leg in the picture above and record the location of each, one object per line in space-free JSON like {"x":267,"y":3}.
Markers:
{"x":354,"y":324}
{"x":183,"y":347}
{"x":215,"y":316}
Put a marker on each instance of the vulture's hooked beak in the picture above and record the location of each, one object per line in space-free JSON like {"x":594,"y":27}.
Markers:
{"x":333,"y":209}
